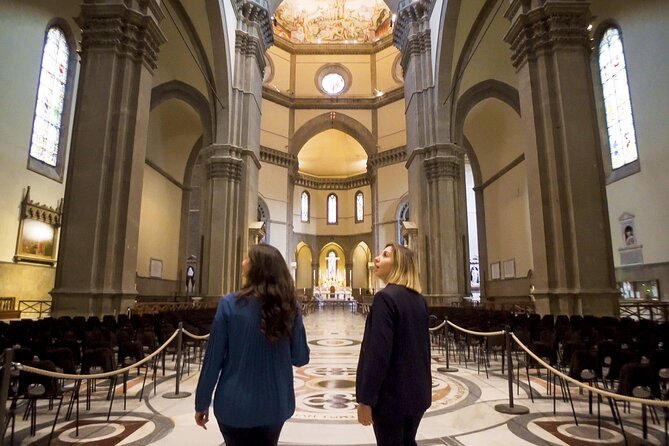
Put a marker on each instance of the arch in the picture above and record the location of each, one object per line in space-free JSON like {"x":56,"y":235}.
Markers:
{"x":190,"y":95}
{"x":340,"y":266}
{"x":490,"y":88}
{"x":359,"y":268}
{"x":304,"y":260}
{"x":332,"y":120}
{"x":263,"y":216}
{"x":401,"y":214}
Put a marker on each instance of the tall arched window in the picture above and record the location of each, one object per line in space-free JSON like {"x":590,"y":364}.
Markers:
{"x":359,"y":207}
{"x":304,"y":208}
{"x":617,"y":103}
{"x":47,"y":145}
{"x":332,"y":209}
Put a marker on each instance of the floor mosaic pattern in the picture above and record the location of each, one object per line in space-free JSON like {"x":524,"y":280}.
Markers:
{"x":462,"y":411}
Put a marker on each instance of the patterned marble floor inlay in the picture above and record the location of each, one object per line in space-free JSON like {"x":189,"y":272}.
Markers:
{"x":462,"y":413}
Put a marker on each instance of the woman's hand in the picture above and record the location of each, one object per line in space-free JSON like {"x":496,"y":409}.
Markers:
{"x":364,"y":414}
{"x":202,"y":418}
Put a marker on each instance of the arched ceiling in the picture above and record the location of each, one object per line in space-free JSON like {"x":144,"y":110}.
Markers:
{"x":332,"y":153}
{"x":332,"y":21}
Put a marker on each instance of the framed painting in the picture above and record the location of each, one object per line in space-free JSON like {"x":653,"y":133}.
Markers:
{"x":156,"y":268}
{"x":509,"y":268}
{"x":495,"y":273}
{"x":39,"y":229}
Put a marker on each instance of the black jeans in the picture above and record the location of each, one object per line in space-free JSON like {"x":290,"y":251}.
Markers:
{"x":396,"y":432}
{"x":256,"y":436}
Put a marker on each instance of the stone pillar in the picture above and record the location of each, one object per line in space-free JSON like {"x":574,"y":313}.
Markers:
{"x":571,"y":246}
{"x":221,"y":266}
{"x":435,"y":168}
{"x":348,"y":280}
{"x":231,"y":197}
{"x":252,"y":38}
{"x":315,"y":274}
{"x":97,"y":262}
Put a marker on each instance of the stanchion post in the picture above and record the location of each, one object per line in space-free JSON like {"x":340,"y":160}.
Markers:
{"x":177,"y":394}
{"x":448,"y":368}
{"x":510,"y":408}
{"x":4,"y":384}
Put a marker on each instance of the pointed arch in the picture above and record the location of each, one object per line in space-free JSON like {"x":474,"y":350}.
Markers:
{"x":337,"y":121}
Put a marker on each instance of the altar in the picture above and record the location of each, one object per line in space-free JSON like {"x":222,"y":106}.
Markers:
{"x":333,"y":293}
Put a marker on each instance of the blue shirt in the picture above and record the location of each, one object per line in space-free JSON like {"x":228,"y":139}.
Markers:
{"x":253,"y":377}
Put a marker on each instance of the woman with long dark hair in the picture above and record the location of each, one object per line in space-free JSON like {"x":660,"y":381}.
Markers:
{"x":394,"y":380}
{"x":256,"y":338}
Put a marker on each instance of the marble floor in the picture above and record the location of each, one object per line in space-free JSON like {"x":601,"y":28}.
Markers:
{"x":463,"y":410}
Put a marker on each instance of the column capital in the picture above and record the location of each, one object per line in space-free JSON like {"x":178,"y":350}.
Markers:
{"x":444,"y":151}
{"x":130,"y":31}
{"x":255,"y":13}
{"x":412,"y":29}
{"x":554,"y":25}
{"x":223,"y":161}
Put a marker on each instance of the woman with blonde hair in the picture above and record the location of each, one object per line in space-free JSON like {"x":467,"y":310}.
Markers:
{"x":394,"y":380}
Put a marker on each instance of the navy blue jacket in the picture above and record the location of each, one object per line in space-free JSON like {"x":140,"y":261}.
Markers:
{"x":253,"y":377}
{"x":394,"y":375}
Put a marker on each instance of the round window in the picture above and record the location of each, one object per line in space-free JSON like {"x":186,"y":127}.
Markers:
{"x":333,"y":83}
{"x":333,"y":79}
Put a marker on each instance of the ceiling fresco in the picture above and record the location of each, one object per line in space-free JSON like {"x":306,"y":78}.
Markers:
{"x":332,"y":21}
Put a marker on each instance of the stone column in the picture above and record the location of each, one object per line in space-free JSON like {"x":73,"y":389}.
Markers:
{"x":252,"y":38}
{"x":97,"y":262}
{"x":231,"y":200}
{"x":571,"y":246}
{"x":435,"y":168}
{"x":221,"y":265}
{"x":348,"y":280}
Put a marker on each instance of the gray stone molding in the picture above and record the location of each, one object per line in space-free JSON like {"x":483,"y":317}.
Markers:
{"x":312,"y":182}
{"x":338,"y":121}
{"x":412,"y":16}
{"x":256,"y":12}
{"x":129,"y":32}
{"x":278,"y":158}
{"x":443,"y":161}
{"x":388,"y":157}
{"x":245,"y":44}
{"x":416,"y":44}
{"x":332,"y":103}
{"x":555,"y":24}
{"x":223,"y":162}
{"x":333,"y":48}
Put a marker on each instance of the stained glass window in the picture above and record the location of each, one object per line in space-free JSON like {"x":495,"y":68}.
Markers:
{"x":359,"y":207}
{"x":50,"y":98}
{"x":332,"y":209}
{"x":304,"y":214}
{"x":618,"y":107}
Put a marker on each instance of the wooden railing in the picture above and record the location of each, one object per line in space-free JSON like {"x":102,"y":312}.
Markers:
{"x":35,"y":309}
{"x":654,"y":311}
{"x":157,"y":307}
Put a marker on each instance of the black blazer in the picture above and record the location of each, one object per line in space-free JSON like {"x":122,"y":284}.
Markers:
{"x":394,"y":375}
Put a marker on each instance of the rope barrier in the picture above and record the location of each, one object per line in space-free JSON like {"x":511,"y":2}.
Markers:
{"x":50,"y":374}
{"x":438,"y":327}
{"x":476,"y":333}
{"x":595,"y":390}
{"x":196,"y":337}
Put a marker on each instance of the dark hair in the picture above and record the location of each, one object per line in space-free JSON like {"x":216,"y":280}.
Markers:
{"x":269,"y":280}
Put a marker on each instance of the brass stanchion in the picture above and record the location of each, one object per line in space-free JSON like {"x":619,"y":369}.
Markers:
{"x":177,"y":394}
{"x":448,"y":368}
{"x":510,"y":408}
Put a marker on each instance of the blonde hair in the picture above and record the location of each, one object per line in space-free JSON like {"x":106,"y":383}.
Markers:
{"x":405,"y":268}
